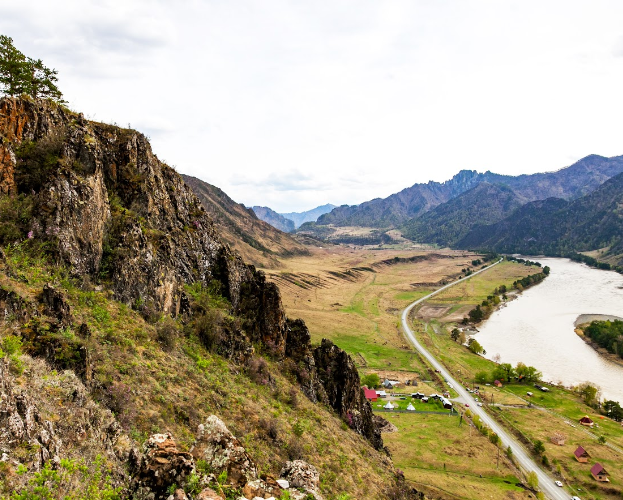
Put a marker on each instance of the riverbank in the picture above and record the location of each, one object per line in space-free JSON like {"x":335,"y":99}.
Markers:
{"x":538,"y":329}
{"x":586,"y":319}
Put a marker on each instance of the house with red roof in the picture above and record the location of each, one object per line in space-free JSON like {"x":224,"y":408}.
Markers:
{"x":585,"y":420}
{"x":497,"y":383}
{"x":599,"y":473}
{"x":581,"y":455}
{"x":370,"y":394}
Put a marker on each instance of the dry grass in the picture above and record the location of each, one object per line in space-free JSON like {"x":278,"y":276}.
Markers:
{"x":434,"y":451}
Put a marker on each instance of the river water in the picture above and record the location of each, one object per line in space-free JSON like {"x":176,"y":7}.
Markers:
{"x":538,"y":327}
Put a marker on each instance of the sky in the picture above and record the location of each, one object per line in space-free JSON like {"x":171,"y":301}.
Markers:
{"x":292,"y":104}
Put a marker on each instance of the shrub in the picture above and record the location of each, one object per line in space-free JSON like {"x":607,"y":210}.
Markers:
{"x":36,"y":161}
{"x":167,"y":333}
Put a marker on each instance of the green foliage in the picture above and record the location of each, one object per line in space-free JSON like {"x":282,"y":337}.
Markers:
{"x":36,"y":161}
{"x":533,"y":480}
{"x":372,"y":380}
{"x":23,"y":75}
{"x":607,"y":334}
{"x":454,"y":335}
{"x":539,"y":447}
{"x":475,"y":347}
{"x":613,"y":410}
{"x":601,"y":440}
{"x":11,"y":344}
{"x":73,"y":480}
{"x":590,"y":393}
{"x":300,"y":427}
{"x":15,"y":218}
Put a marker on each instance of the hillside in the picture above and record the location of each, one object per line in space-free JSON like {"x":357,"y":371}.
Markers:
{"x":255,"y":240}
{"x":451,"y":221}
{"x":557,"y":227}
{"x":571,"y":182}
{"x":309,"y":215}
{"x":276,"y":220}
{"x":132,"y":336}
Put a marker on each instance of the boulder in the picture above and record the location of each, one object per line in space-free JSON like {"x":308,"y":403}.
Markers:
{"x":300,"y":474}
{"x":160,"y":466}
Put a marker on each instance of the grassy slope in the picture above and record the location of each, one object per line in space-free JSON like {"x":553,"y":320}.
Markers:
{"x":157,"y":390}
{"x":363,"y":318}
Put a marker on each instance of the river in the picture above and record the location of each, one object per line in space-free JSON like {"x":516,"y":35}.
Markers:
{"x":538,"y":327}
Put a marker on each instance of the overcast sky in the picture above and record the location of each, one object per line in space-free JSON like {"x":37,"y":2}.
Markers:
{"x":293,"y":103}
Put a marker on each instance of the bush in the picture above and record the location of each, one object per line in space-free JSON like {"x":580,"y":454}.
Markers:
{"x":167,"y":333}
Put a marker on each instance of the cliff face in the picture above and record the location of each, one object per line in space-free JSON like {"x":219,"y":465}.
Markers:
{"x":115,"y":215}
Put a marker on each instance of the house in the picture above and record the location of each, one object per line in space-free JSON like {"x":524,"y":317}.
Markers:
{"x":389,"y":406}
{"x":381,"y":394}
{"x":390,"y":384}
{"x":585,"y":420}
{"x":417,"y":395}
{"x":411,"y":407}
{"x":529,"y":394}
{"x":599,"y":473}
{"x":581,"y":455}
{"x":558,"y":438}
{"x":424,"y":399}
{"x":370,"y":394}
{"x":446,"y":403}
{"x":497,"y":383}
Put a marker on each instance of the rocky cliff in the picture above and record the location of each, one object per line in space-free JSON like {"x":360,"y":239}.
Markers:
{"x":94,"y":200}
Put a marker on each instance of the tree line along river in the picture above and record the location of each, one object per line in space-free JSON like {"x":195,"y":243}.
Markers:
{"x":538,"y":327}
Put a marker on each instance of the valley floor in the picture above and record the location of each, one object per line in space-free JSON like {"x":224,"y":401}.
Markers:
{"x":355,"y":297}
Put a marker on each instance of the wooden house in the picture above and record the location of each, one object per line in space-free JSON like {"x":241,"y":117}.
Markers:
{"x":370,"y":394}
{"x":585,"y":420}
{"x":599,"y":473}
{"x":581,"y":455}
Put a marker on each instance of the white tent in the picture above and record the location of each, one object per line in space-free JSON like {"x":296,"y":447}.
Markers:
{"x":411,"y":407}
{"x":389,"y":406}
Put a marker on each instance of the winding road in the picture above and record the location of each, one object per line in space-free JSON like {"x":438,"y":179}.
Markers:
{"x":521,"y":456}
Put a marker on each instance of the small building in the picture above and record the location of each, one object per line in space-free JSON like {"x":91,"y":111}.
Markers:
{"x":417,"y":395}
{"x":390,"y":384}
{"x":410,"y":407}
{"x":446,"y":403}
{"x":424,"y":399}
{"x":558,"y":438}
{"x":599,"y":473}
{"x":581,"y":455}
{"x":529,"y":394}
{"x":370,"y":394}
{"x":585,"y":420}
{"x":381,"y":394}
{"x":389,"y":406}
{"x":497,"y":383}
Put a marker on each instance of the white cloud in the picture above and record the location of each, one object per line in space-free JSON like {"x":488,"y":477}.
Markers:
{"x":292,"y":104}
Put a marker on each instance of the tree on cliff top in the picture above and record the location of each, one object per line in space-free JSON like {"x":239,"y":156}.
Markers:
{"x":22,"y":75}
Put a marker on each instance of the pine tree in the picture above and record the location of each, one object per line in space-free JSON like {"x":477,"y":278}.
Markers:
{"x":22,"y":75}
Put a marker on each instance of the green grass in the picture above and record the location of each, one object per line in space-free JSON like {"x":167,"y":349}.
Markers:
{"x":377,"y":355}
{"x":412,"y":296}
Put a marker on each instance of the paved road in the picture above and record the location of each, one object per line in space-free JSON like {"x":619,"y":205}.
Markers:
{"x":546,"y":483}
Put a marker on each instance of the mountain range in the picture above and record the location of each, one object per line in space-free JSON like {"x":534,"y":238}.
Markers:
{"x":557,"y":227}
{"x":394,"y":211}
{"x":258,"y":242}
{"x":289,"y":222}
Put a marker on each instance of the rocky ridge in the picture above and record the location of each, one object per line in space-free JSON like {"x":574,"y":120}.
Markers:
{"x":105,"y":208}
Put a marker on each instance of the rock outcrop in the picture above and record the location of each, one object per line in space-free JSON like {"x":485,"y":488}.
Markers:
{"x":116,"y":215}
{"x":160,"y":466}
{"x":339,"y":376}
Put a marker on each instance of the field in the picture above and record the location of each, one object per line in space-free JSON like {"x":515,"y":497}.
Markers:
{"x":355,"y":296}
